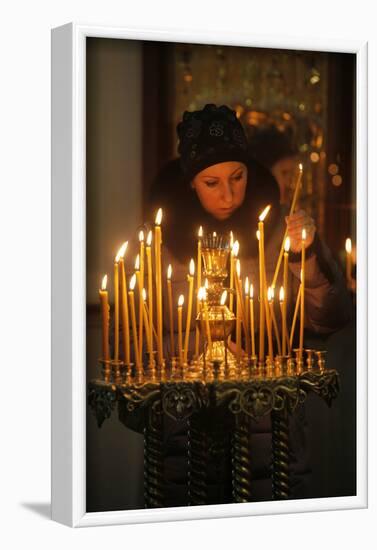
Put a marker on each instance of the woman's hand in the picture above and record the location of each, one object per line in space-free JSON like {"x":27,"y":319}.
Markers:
{"x":295,"y":224}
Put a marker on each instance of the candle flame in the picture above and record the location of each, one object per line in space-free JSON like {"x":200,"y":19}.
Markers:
{"x":149,"y":238}
{"x":238,"y":268}
{"x":301,"y":273}
{"x":192,"y":267}
{"x":181,"y":299}
{"x":144,"y":294}
{"x":300,"y":167}
{"x":348,"y":246}
{"x":200,"y":232}
{"x":258,"y":234}
{"x":141,"y":236}
{"x":270,"y":294}
{"x":287,"y":244}
{"x":236,"y":249}
{"x":201,"y":293}
{"x":281,"y":294}
{"x":158,"y":217}
{"x":223,"y":297}
{"x":170,"y":271}
{"x":251,"y":293}
{"x":133,"y":282}
{"x":121,"y":251}
{"x":303,"y":234}
{"x":104,"y":283}
{"x":264,"y":213}
{"x":214,"y":234}
{"x":137,"y":262}
{"x":231,"y":239}
{"x":247,"y":286}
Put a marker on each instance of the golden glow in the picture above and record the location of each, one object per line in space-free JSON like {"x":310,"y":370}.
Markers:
{"x":333,"y":169}
{"x":270,"y":294}
{"x":214,"y":234}
{"x":133,"y":282}
{"x":348,"y":246}
{"x":137,"y":262}
{"x":301,"y":275}
{"x":104,"y":283}
{"x":141,"y":236}
{"x":300,"y":167}
{"x":170,"y":271}
{"x":202,"y":294}
{"x":158,"y":217}
{"x":181,"y":300}
{"x":223,"y":298}
{"x":200,"y":232}
{"x":231,"y":240}
{"x":287,"y":244}
{"x":144,"y":294}
{"x":314,"y":157}
{"x":251,"y":291}
{"x":264,"y":213}
{"x":258,"y":234}
{"x":192,"y":267}
{"x":235,"y":249}
{"x":247,"y":286}
{"x":303,"y":234}
{"x":238,"y":268}
{"x":281,"y":294}
{"x":149,"y":238}
{"x":337,"y":180}
{"x":121,"y":251}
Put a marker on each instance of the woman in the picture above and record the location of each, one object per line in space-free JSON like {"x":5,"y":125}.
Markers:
{"x":215,"y":184}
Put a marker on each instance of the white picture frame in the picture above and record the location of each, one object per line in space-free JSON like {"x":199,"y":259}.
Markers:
{"x":68,"y":277}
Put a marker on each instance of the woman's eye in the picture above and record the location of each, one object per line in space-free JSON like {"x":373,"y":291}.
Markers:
{"x":211,"y":183}
{"x":238,"y":177}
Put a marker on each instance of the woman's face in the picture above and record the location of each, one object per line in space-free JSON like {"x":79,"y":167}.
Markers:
{"x":221,"y":188}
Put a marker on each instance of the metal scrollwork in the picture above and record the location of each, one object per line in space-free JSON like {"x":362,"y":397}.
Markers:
{"x":102,"y":401}
{"x":260,"y":398}
{"x":280,"y":455}
{"x":153,"y":461}
{"x":325,"y":384}
{"x":197,"y":455}
{"x":138,"y":396}
{"x":241,"y":473}
{"x":181,"y":400}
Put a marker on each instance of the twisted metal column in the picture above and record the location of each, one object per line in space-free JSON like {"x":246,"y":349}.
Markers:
{"x":241,"y":473}
{"x":280,"y":455}
{"x":197,"y":456}
{"x":153,"y":460}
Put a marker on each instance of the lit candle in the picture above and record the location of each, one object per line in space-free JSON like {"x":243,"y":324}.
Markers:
{"x":287,"y":245}
{"x":283,"y":310}
{"x":116,"y":308}
{"x":157,"y":243}
{"x":298,"y":302}
{"x":181,"y":299}
{"x":150,"y":284}
{"x":274,"y":322}
{"x":348,"y":261}
{"x":138,"y":278}
{"x":141,"y":241}
{"x":203,"y":298}
{"x":238,"y":319}
{"x":293,"y":206}
{"x":246,"y":312}
{"x":147,"y":327}
{"x":104,"y":300}
{"x":133,"y":320}
{"x":252,"y":327}
{"x":170,"y":302}
{"x":302,"y":309}
{"x":233,"y":256}
{"x":190,"y":279}
{"x":270,"y":297}
{"x":198,"y":285}
{"x":262,"y":283}
{"x":124,"y":305}
{"x":222,"y":303}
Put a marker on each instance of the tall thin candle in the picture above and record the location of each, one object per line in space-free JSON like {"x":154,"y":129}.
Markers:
{"x":302,"y":309}
{"x":133,"y":320}
{"x":348,"y":247}
{"x":287,"y":245}
{"x":104,"y":299}
{"x":252,"y":326}
{"x":150,"y":284}
{"x":198,"y":285}
{"x":181,"y":300}
{"x":190,"y":279}
{"x":116,"y":308}
{"x":158,"y":242}
{"x":262,"y":284}
{"x":124,"y":305}
{"x":170,"y":302}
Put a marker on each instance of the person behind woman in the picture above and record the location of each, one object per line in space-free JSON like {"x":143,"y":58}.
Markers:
{"x":215,"y":184}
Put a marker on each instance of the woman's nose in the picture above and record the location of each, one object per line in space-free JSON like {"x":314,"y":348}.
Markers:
{"x":227,"y":194}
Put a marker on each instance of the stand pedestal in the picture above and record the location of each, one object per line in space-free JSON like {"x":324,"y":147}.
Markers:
{"x":194,"y":401}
